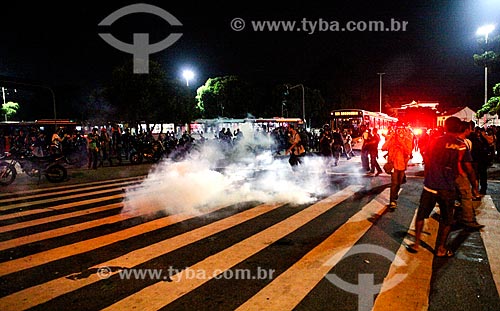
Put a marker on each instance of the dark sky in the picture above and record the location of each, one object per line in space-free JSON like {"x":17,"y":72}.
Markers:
{"x":58,"y":44}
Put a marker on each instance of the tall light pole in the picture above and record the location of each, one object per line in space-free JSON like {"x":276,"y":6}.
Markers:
{"x":485,"y":31}
{"x":380,"y":90}
{"x":188,"y":75}
{"x":303,"y":102}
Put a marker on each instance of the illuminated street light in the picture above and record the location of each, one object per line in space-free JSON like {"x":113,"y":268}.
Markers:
{"x":485,"y":31}
{"x":188,"y":75}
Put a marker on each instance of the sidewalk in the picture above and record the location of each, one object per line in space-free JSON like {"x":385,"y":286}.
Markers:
{"x":78,"y":175}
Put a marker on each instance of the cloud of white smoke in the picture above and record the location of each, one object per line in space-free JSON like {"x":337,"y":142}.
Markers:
{"x":218,"y":175}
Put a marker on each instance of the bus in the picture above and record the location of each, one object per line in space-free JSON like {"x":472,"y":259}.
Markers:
{"x":352,"y":119}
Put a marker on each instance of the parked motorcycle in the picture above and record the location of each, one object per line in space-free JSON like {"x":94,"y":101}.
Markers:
{"x":32,"y":165}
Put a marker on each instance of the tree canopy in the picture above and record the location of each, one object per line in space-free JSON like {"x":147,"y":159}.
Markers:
{"x":226,"y":96}
{"x":9,"y":109}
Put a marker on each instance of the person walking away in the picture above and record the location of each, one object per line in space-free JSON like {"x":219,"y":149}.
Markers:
{"x":399,"y":145}
{"x":337,"y":144}
{"x":373,"y":153}
{"x":442,"y":166}
{"x":296,"y":149}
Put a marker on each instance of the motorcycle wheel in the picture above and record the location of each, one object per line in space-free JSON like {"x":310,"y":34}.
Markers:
{"x":7,"y":174}
{"x":56,"y":173}
{"x":135,"y":158}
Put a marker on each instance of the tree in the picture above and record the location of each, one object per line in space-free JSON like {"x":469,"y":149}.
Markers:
{"x":226,"y":96}
{"x":490,"y":58}
{"x":492,"y":107}
{"x":9,"y":109}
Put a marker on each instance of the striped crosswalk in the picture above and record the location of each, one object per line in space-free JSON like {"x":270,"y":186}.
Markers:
{"x":75,"y":248}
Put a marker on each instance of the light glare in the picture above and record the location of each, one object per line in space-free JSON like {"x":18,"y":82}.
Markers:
{"x":485,"y":30}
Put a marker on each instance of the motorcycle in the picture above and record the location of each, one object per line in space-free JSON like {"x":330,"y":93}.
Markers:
{"x":147,"y":151}
{"x":32,"y":165}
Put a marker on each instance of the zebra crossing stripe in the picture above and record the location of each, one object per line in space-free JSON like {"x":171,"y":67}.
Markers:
{"x":52,"y":200}
{"x":31,"y":194}
{"x":44,"y":292}
{"x":161,"y":294}
{"x":488,"y":215}
{"x":289,"y":288}
{"x":60,"y":207}
{"x":39,"y":236}
{"x":88,"y":245}
{"x":412,"y":293}
{"x":41,"y":221}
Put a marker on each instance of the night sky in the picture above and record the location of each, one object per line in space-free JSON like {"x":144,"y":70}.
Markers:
{"x":58,"y":45}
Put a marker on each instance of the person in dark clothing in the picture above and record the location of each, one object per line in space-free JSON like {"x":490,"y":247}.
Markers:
{"x":480,"y":157}
{"x":337,"y":144}
{"x":365,"y":148}
{"x":325,"y":143}
{"x":442,"y":167}
{"x":373,"y":152}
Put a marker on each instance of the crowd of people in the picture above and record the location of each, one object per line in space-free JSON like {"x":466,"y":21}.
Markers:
{"x":456,"y":158}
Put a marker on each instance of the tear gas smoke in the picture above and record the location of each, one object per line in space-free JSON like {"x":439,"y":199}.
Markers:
{"x":216,"y":174}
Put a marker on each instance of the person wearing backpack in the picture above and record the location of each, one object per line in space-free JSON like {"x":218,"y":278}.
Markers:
{"x":399,"y":147}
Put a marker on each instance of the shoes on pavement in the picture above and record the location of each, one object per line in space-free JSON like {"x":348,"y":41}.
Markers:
{"x":448,"y":253}
{"x":393,"y":205}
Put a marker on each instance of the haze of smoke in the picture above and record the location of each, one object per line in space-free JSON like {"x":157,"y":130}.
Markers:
{"x":209,"y":178}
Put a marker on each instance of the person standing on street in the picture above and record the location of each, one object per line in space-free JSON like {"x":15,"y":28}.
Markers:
{"x":365,"y":148}
{"x":442,"y":167}
{"x":325,"y":144}
{"x":295,"y":149}
{"x":337,"y":145}
{"x":399,"y":146}
{"x":93,"y":148}
{"x":467,"y":185}
{"x":373,"y":152}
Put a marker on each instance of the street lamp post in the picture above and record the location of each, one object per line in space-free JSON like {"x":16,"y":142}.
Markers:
{"x":303,"y":102}
{"x":188,"y":75}
{"x":380,"y":90}
{"x":485,"y":31}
